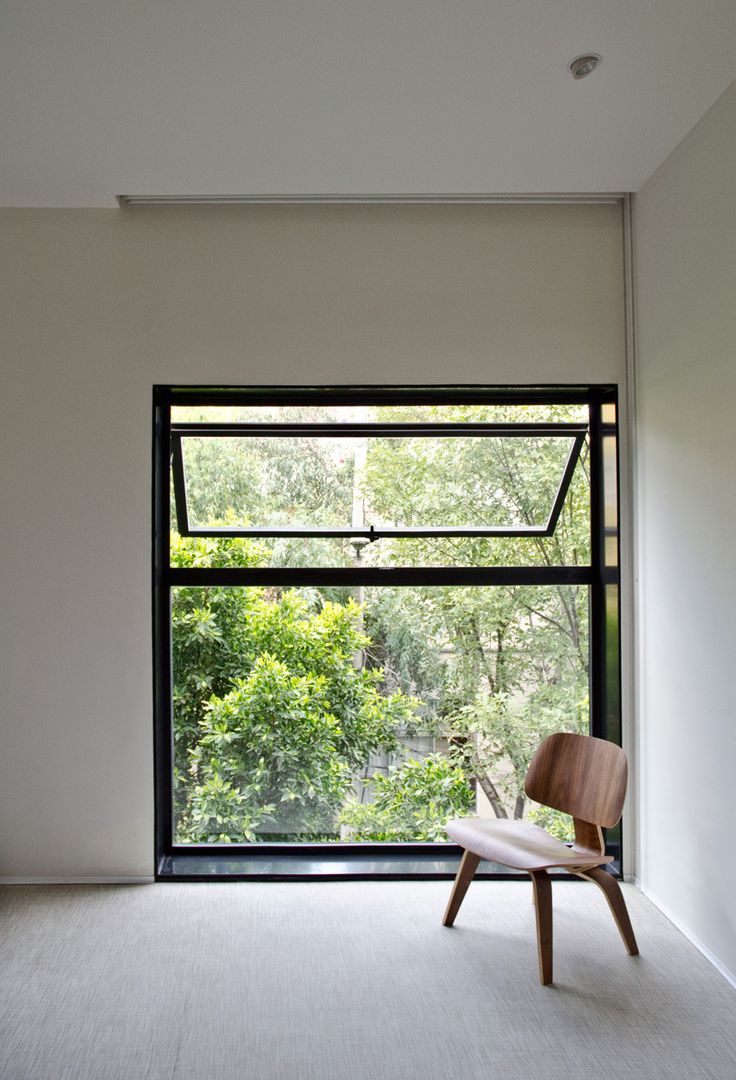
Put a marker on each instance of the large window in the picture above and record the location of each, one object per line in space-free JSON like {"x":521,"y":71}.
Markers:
{"x":372,"y":605}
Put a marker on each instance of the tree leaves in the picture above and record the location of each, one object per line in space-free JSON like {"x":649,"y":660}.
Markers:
{"x":269,"y":739}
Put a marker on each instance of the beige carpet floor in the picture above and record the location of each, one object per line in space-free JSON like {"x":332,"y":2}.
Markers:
{"x":348,"y":981}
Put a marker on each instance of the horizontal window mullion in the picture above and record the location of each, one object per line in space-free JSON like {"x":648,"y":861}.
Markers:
{"x":370,"y":533}
{"x":417,"y":576}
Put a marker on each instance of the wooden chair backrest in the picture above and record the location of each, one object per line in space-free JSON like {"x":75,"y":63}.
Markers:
{"x":580,"y":775}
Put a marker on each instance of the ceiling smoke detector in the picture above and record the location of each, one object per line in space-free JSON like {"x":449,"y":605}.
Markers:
{"x":584,"y":65}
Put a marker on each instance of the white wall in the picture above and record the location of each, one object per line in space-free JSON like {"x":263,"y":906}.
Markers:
{"x":97,"y":306}
{"x":686,"y":391}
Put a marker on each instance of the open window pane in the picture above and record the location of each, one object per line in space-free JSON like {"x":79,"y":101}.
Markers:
{"x":438,"y":481}
{"x":367,"y":714}
{"x":507,"y":481}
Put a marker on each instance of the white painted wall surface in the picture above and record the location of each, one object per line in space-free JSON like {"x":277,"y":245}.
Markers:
{"x":686,"y":391}
{"x":98,"y":305}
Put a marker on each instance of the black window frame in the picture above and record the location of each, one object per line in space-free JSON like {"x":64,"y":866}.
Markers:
{"x":302,"y":861}
{"x":574,"y":433}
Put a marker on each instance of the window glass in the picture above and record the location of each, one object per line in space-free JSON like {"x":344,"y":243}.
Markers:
{"x":364,"y":631}
{"x":368,"y":714}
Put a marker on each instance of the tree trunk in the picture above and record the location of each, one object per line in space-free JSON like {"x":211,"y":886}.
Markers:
{"x":489,"y":790}
{"x":501,"y":680}
{"x":482,"y":658}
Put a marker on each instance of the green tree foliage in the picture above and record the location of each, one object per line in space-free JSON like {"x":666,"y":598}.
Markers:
{"x":268,"y":758}
{"x":413,"y":801}
{"x":207,"y":630}
{"x":554,"y":821}
{"x":272,"y":715}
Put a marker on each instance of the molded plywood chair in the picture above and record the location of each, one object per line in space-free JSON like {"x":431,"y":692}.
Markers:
{"x":579,"y":775}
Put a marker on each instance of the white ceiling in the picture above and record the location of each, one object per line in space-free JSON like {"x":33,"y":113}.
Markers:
{"x":99,"y":98}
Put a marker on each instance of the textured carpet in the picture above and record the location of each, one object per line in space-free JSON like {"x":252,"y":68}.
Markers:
{"x":348,"y":981}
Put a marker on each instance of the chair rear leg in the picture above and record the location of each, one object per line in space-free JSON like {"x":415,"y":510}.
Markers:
{"x":612,"y":892}
{"x":543,"y":908}
{"x":468,"y":866}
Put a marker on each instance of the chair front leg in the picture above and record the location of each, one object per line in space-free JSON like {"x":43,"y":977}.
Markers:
{"x":543,"y":908}
{"x":468,"y":866}
{"x":612,"y":892}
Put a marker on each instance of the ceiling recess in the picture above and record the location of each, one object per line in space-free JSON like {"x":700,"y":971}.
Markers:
{"x":237,"y":200}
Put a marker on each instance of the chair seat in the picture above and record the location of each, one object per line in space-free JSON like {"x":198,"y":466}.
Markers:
{"x":518,"y":844}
